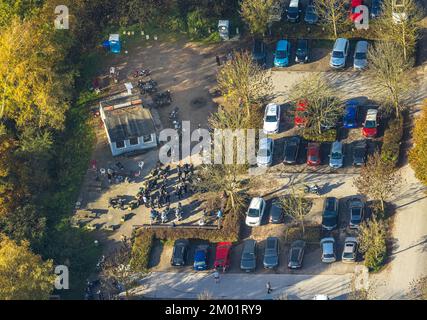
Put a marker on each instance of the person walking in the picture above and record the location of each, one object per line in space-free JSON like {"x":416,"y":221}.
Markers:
{"x":218,"y":60}
{"x":216,"y":276}
{"x":268,"y":286}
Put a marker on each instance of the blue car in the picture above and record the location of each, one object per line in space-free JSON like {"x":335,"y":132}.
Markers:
{"x":350,"y":114}
{"x":281,"y":56}
{"x":201,"y":258}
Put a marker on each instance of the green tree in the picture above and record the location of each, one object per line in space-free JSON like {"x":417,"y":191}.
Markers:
{"x":372,"y":243}
{"x":332,"y":13}
{"x":418,"y":154}
{"x":256,"y":14}
{"x":23,"y":275}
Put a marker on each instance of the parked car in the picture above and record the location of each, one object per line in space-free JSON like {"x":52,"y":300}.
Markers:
{"x":359,"y":152}
{"x":311,"y":16}
{"x":293,"y":11}
{"x":349,"y":253}
{"x":353,"y":5}
{"x":328,"y":250}
{"x":299,"y":119}
{"x":271,"y":118}
{"x":276,"y":213}
{"x":313,"y":154}
{"x":357,"y":211}
{"x":336,"y":158}
{"x":255,"y":212}
{"x":291,"y":150}
{"x":271,"y":253}
{"x":330,"y":213}
{"x":222,"y":255}
{"x":360,"y":55}
{"x":296,"y":254}
{"x":339,"y":53}
{"x":375,"y":8}
{"x":248,"y":260}
{"x":282,"y":53}
{"x":370,"y":125}
{"x":303,"y":51}
{"x":201,"y":257}
{"x":259,"y":52}
{"x":351,"y":114}
{"x":265,"y":152}
{"x":180,"y":252}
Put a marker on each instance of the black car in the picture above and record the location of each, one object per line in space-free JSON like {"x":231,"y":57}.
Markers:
{"x":271,"y":253}
{"x":357,"y":210}
{"x":359,"y":152}
{"x":302,"y":51}
{"x":375,"y":8}
{"x":248,"y":261}
{"x":296,"y":254}
{"x":291,"y":150}
{"x":293,"y":11}
{"x":311,"y":16}
{"x":330,"y":213}
{"x":259,"y":52}
{"x":276,"y":213}
{"x":180,"y":252}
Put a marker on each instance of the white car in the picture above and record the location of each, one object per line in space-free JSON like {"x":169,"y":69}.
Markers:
{"x":271,"y":118}
{"x":336,"y":158}
{"x":255,"y":212}
{"x":265,"y":152}
{"x":328,"y":250}
{"x":339,"y":53}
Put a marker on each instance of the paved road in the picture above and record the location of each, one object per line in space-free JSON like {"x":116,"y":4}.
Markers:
{"x":243,"y":286}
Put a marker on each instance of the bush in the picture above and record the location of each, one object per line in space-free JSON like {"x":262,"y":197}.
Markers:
{"x":391,"y":142}
{"x":372,"y":243}
{"x":326,"y":136}
{"x":417,"y":156}
{"x":198,"y":25}
{"x":141,"y":250}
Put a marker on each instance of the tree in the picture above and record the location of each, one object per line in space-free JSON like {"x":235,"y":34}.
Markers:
{"x":23,"y":275}
{"x":296,"y":206}
{"x":372,"y":243}
{"x":400,"y":25}
{"x":388,"y":70}
{"x":322,"y":107}
{"x":244,"y":83}
{"x":418,"y":154}
{"x":332,"y":12}
{"x":378,"y":180}
{"x":256,"y":14}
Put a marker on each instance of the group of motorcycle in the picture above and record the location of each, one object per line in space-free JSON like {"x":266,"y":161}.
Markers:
{"x":174,"y":119}
{"x":163,"y":99}
{"x":147,"y":87}
{"x":163,"y":217}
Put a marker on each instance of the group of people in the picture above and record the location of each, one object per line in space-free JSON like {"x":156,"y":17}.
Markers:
{"x":159,"y":190}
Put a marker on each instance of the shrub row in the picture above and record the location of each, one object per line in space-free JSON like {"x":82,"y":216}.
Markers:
{"x":141,"y":250}
{"x":392,"y":139}
{"x":326,"y":136}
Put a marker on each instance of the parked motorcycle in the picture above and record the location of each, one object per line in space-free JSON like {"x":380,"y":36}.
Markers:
{"x":141,"y":73}
{"x":315,"y":189}
{"x":163,"y":98}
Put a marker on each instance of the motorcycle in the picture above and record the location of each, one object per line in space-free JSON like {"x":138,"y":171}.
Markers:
{"x":116,"y":203}
{"x":147,"y":86}
{"x":315,"y":189}
{"x":154,"y":216}
{"x":163,"y":99}
{"x":164,"y":217}
{"x":141,"y":73}
{"x":173,"y":115}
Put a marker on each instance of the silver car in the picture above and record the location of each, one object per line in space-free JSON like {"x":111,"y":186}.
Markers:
{"x":328,"y":250}
{"x":360,"y":55}
{"x":349,"y":253}
{"x":265,"y":152}
{"x":339,"y":53}
{"x":336,"y":158}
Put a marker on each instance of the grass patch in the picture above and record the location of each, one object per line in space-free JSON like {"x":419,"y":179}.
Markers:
{"x":326,"y":136}
{"x":312,"y":234}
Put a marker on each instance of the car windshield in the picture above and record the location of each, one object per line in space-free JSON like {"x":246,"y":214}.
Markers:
{"x":313,"y":158}
{"x":294,"y":255}
{"x":290,"y":151}
{"x":311,"y":10}
{"x":360,"y":55}
{"x":292,"y":10}
{"x":248,"y":256}
{"x":199,"y":263}
{"x":264,"y":153}
{"x":348,"y":255}
{"x":356,"y":213}
{"x":301,"y":50}
{"x":253,"y":213}
{"x":337,"y":54}
{"x":336,"y":155}
{"x":328,"y":255}
{"x":282,"y":54}
{"x":370,"y":124}
{"x":270,"y":119}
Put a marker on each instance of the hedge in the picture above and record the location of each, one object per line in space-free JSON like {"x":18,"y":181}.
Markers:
{"x":392,"y":139}
{"x":141,"y":250}
{"x":326,"y":136}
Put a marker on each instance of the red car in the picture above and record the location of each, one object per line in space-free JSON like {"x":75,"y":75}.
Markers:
{"x":313,"y":154}
{"x":370,"y":125}
{"x":222,"y":256}
{"x":353,"y":5}
{"x":299,"y":119}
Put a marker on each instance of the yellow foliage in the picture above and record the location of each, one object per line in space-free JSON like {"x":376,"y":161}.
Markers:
{"x":418,"y":155}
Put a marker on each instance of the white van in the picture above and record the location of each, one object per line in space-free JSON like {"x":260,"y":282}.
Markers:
{"x":339,"y":53}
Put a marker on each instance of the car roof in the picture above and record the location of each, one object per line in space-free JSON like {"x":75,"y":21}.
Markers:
{"x":249,"y":245}
{"x":336,"y":146}
{"x":271,"y":109}
{"x":282,"y":45}
{"x":298,"y":244}
{"x":349,"y":247}
{"x":222,"y":249}
{"x":327,"y":239}
{"x":294,"y":3}
{"x":372,"y":114}
{"x":181,"y":242}
{"x":361,"y":46}
{"x":265,"y":142}
{"x":255,"y":203}
{"x":271,"y":242}
{"x":328,"y":246}
{"x":340,"y":43}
